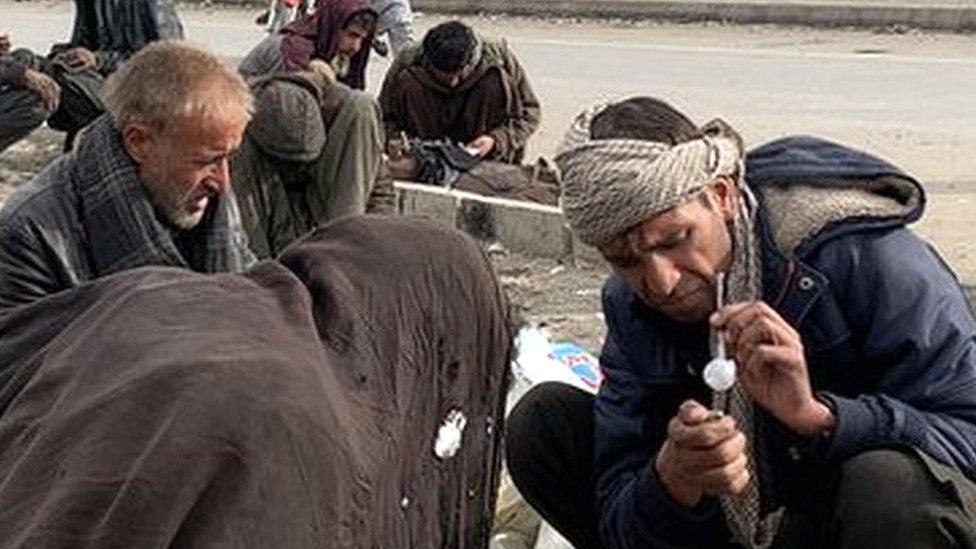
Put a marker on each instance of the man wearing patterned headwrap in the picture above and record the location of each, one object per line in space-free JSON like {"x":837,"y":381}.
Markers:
{"x":853,"y":419}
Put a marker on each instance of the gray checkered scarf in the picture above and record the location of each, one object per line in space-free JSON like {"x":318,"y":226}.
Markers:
{"x":611,"y":185}
{"x":122,"y":226}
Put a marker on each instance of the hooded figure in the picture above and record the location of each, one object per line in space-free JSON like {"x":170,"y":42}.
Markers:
{"x":310,"y":402}
{"x":459,"y":86}
{"x":340,"y":28}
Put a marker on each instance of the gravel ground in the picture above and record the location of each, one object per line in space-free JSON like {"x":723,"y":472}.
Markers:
{"x":563,"y":299}
{"x":21,"y":161}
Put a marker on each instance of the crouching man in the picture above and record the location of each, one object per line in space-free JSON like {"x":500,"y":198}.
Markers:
{"x":853,"y":419}
{"x":311,"y":154}
{"x":147,"y":184}
{"x":460,"y":86}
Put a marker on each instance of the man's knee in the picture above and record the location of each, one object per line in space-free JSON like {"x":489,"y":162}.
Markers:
{"x":21,"y":111}
{"x":363,"y":104}
{"x":865,"y":479}
{"x":543,"y":416}
{"x":542,"y":404}
{"x":889,"y":495}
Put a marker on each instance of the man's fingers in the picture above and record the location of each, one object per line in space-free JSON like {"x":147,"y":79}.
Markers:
{"x":735,"y":486}
{"x":721,"y":317}
{"x":762,"y":331}
{"x":50,"y":93}
{"x":721,"y":454}
{"x":742,"y":313}
{"x":55,"y":98}
{"x":739,"y":484}
{"x":692,"y":412}
{"x":721,"y":479}
{"x":756,"y":332}
{"x":768,"y":356}
{"x":747,"y":324}
{"x":702,"y":435}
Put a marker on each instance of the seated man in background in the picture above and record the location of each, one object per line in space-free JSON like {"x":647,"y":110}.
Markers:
{"x":27,"y":96}
{"x":105,"y":34}
{"x":310,"y":154}
{"x":458,"y":86}
{"x":339,"y":33}
{"x":851,"y":421}
{"x":147,"y":184}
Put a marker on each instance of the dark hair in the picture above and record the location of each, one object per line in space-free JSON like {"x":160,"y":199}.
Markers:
{"x":644,"y":118}
{"x":450,"y":46}
{"x":365,"y":20}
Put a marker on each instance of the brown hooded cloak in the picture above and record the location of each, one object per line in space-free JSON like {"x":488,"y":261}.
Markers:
{"x":294,"y":406}
{"x":316,"y":36}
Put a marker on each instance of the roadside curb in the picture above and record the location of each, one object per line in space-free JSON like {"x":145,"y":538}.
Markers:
{"x":522,"y":227}
{"x":943,"y":18}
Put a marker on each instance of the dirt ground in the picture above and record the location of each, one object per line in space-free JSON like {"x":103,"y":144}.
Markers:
{"x":23,"y":160}
{"x":564,"y":299}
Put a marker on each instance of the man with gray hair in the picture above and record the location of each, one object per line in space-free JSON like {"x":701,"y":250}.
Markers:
{"x":847,"y":412}
{"x":147,"y":184}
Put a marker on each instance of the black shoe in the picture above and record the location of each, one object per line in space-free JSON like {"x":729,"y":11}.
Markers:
{"x":263,"y":18}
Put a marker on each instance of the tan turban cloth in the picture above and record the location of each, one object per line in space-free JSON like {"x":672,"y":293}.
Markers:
{"x":611,"y":185}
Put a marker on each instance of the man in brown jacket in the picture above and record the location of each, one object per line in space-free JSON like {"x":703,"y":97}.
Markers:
{"x":459,"y":86}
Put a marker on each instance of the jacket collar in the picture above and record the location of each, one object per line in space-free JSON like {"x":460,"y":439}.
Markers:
{"x":790,"y":285}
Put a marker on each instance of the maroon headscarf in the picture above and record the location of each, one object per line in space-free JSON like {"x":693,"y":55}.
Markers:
{"x":315,"y":36}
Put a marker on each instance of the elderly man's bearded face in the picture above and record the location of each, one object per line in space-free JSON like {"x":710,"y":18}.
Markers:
{"x":185,"y":167}
{"x":671,"y":260}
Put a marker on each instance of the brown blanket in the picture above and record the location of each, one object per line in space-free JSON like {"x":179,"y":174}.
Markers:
{"x":293,"y":406}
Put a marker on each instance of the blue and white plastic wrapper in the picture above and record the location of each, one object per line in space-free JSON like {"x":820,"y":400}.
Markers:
{"x":538,"y":361}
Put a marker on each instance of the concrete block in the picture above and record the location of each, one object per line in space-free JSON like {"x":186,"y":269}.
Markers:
{"x":477,"y":218}
{"x":532,"y":229}
{"x":436,"y":204}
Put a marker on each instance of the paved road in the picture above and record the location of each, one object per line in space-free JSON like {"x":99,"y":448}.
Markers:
{"x":908,"y":97}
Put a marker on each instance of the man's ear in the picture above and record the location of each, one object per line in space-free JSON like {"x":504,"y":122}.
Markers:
{"x":138,"y":141}
{"x":726,"y":196}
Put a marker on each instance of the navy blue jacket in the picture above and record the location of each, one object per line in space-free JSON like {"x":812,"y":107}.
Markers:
{"x":887,"y":332}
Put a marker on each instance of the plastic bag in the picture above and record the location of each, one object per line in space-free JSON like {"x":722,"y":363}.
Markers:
{"x":539,"y":360}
